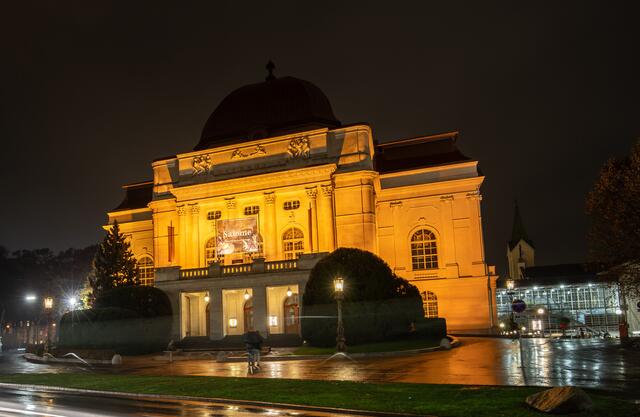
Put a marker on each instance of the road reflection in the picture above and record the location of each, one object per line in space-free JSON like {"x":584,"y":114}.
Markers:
{"x":19,"y":402}
{"x":479,"y":361}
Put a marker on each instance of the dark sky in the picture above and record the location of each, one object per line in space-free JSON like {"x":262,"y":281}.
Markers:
{"x":542,"y":93}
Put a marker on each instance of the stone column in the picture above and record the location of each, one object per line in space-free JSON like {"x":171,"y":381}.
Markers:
{"x":312,"y":193}
{"x":398,"y":258}
{"x":182,"y":236}
{"x":326,"y":238}
{"x":194,"y":238}
{"x":215,"y":314}
{"x":260,"y":310}
{"x":271,"y":235}
{"x":475,"y":223}
{"x":447,"y":244}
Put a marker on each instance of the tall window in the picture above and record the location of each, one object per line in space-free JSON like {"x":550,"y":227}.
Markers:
{"x":424,"y":250}
{"x":210,"y":255}
{"x":429,"y":304}
{"x":145,"y":271}
{"x":293,"y":243}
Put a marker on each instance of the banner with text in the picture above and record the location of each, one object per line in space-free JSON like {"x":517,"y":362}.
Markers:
{"x":237,"y":235}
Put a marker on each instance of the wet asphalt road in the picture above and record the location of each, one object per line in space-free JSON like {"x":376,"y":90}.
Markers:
{"x":20,"y":403}
{"x":478,"y":361}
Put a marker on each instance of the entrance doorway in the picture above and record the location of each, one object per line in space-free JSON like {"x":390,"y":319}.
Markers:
{"x":248,"y":315}
{"x":207,"y":314}
{"x":194,"y":314}
{"x":291,"y":315}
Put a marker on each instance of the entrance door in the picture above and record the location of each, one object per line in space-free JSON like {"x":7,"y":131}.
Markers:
{"x":291,"y":315}
{"x":208,"y":320}
{"x":248,"y":315}
{"x":187,"y":300}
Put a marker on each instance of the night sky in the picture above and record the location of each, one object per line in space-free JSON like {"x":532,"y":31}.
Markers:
{"x":542,"y":94}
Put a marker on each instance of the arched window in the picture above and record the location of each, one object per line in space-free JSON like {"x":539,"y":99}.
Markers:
{"x":424,"y":250}
{"x":293,"y":243}
{"x":146,"y":274}
{"x":210,"y":255}
{"x":429,"y":304}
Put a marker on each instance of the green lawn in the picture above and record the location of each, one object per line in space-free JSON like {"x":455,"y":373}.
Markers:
{"x":438,"y":400}
{"x":395,"y":345}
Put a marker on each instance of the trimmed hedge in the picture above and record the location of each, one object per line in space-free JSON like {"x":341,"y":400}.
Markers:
{"x":367,"y":322}
{"x":129,"y":320}
{"x":377,"y":306}
{"x":144,"y":300}
{"x":122,"y":330}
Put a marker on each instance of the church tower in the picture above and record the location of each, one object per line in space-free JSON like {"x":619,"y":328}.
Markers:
{"x":520,"y":250}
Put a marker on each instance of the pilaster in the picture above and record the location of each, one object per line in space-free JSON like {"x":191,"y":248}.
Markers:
{"x":271,"y":238}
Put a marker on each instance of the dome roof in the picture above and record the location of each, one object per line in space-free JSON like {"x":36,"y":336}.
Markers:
{"x":274,"y":107}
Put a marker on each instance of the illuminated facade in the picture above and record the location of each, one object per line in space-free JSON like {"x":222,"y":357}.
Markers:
{"x":276,"y":182}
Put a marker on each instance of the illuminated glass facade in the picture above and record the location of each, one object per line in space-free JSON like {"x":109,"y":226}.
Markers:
{"x":592,"y":307}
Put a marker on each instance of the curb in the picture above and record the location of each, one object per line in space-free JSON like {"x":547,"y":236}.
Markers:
{"x":263,"y":404}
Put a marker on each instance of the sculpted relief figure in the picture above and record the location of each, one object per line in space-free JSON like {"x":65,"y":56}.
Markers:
{"x":202,"y":164}
{"x":258,"y":150}
{"x":299,"y":148}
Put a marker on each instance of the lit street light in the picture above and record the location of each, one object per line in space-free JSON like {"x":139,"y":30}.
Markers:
{"x":72,"y":302}
{"x":48,"y":306}
{"x":338,"y":286}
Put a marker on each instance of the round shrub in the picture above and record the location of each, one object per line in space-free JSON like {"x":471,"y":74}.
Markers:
{"x":378,"y":305}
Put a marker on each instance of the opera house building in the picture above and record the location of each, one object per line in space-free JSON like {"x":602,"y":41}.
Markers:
{"x":231,"y":228}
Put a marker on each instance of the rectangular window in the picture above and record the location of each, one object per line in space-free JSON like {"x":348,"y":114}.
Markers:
{"x":292,"y":204}
{"x":214,"y":215}
{"x":251,"y":210}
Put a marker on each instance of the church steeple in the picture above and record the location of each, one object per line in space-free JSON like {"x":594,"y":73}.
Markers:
{"x":518,"y":232}
{"x":520,"y":250}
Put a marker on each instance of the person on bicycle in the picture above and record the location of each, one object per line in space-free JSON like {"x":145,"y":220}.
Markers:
{"x":253,"y":341}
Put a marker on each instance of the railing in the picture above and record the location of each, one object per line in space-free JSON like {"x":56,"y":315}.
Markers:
{"x":281,"y":265}
{"x":236,"y":269}
{"x":194,"y":273}
{"x":250,"y":268}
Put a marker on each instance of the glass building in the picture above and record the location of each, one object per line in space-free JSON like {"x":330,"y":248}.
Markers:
{"x":562,"y":300}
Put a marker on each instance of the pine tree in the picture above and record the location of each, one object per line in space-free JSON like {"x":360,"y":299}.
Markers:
{"x":114,"y":264}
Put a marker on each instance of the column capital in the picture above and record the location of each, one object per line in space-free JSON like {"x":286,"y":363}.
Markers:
{"x":195,"y":209}
{"x":181,"y":210}
{"x":312,"y":192}
{"x":231,"y":203}
{"x":270,"y":197}
{"x":327,"y":190}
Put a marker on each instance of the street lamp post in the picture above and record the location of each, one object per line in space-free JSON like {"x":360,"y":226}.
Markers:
{"x":338,"y":286}
{"x":48,"y":306}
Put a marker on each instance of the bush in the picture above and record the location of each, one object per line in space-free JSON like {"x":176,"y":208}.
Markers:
{"x":130,"y":320}
{"x":122,"y":330}
{"x":144,"y":300}
{"x":378,"y":305}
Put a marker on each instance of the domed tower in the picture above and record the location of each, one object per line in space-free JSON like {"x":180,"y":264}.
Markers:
{"x":276,"y":106}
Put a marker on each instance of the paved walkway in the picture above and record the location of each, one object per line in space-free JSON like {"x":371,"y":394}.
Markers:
{"x":478,"y":361}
